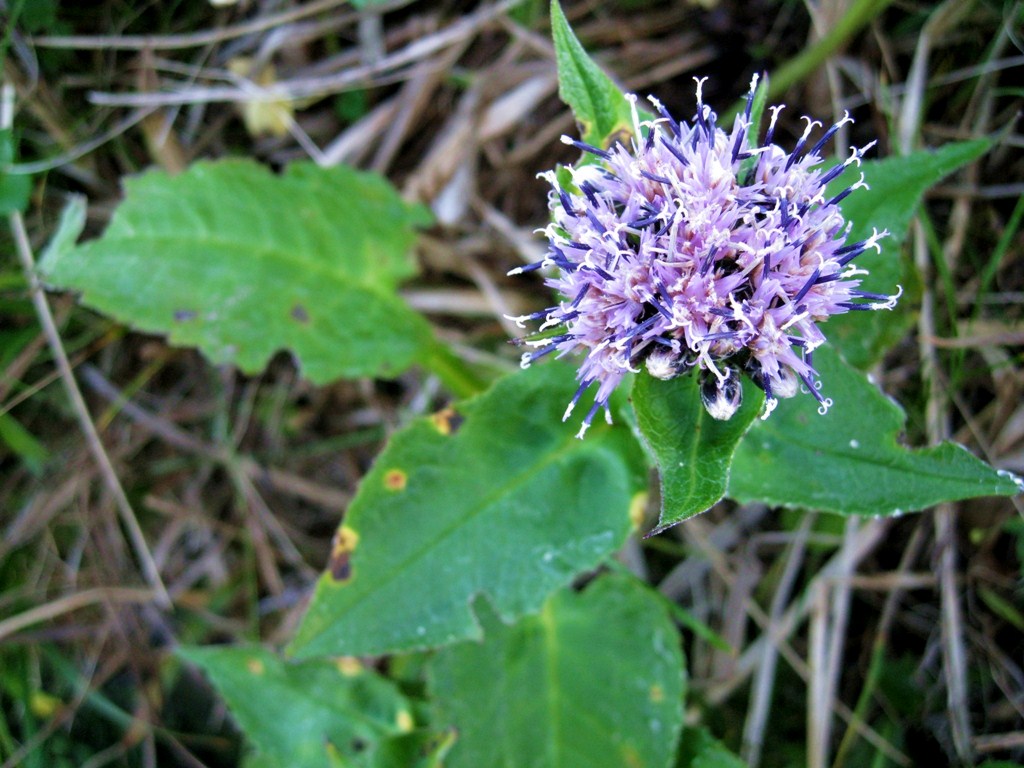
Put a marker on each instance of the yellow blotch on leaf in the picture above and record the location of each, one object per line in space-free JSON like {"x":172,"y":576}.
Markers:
{"x":349,"y":666}
{"x":657,"y":694}
{"x":255,"y":666}
{"x":638,"y":509}
{"x":447,"y":421}
{"x":395,"y":480}
{"x":404,"y":721}
{"x":630,"y":757}
{"x":339,"y":565}
{"x":262,"y":117}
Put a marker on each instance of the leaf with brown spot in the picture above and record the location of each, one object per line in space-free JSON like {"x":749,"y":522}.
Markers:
{"x":511,"y":506}
{"x":340,"y":563}
{"x":448,"y":421}
{"x":307,"y":261}
{"x":293,"y":712}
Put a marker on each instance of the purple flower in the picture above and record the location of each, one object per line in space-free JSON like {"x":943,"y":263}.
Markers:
{"x":689,"y":251}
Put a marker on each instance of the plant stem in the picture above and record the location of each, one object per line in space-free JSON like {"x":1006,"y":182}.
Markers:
{"x":860,"y":14}
{"x":461,"y":379}
{"x":49,"y":326}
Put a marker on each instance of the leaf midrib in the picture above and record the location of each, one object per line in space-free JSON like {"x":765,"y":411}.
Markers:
{"x":444,"y":534}
{"x":903,"y":453}
{"x":291,"y":259}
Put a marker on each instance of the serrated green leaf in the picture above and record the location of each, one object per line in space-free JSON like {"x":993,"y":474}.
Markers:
{"x":693,"y":450}
{"x":849,"y":461}
{"x":308,"y":714}
{"x":595,"y":680}
{"x":497,"y":498}
{"x":598,"y":104}
{"x":242,"y":263}
{"x":897,"y":185}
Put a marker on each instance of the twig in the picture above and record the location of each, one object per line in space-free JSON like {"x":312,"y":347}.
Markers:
{"x":818,"y":714}
{"x":764,"y":680}
{"x":954,"y":654}
{"x":24,"y":250}
{"x":73,"y":602}
{"x":778,"y":634}
{"x":880,"y":644}
{"x":863,"y":543}
{"x":191,"y":40}
{"x":840,"y":614}
{"x":315,"y":87}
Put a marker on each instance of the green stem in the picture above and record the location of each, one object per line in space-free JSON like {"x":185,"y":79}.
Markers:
{"x":458,"y":376}
{"x":860,"y":14}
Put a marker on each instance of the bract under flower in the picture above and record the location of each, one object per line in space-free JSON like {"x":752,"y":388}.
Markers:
{"x":689,"y":251}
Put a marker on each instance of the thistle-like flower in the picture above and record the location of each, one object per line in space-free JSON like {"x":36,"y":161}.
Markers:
{"x":688,"y":250}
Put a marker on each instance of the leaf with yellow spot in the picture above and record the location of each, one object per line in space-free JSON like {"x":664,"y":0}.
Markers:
{"x":350,"y":666}
{"x":511,"y":506}
{"x":595,"y":680}
{"x":447,"y":421}
{"x":306,"y":714}
{"x":395,"y":479}
{"x":339,"y":566}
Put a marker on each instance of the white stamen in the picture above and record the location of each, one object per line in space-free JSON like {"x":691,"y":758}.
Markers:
{"x":568,"y":411}
{"x":889,"y":303}
{"x":810,"y":127}
{"x":631,"y":98}
{"x":700,"y":90}
{"x":775,"y":116}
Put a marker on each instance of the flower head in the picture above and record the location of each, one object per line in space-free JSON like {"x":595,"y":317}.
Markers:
{"x":687,"y":250}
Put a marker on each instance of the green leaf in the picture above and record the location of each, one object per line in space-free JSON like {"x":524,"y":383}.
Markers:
{"x":242,"y":263}
{"x":22,"y":443}
{"x":757,"y":112}
{"x":496,"y":498}
{"x":595,"y":680}
{"x":849,"y":460}
{"x":897,"y":185}
{"x":14,"y":188}
{"x":308,"y":714}
{"x":419,"y":749}
{"x":699,"y":749}
{"x":69,"y":229}
{"x":598,"y":104}
{"x":693,"y":450}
